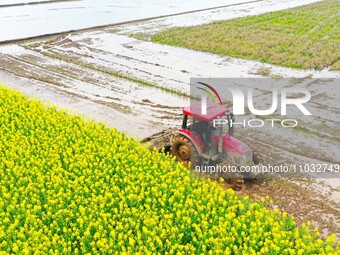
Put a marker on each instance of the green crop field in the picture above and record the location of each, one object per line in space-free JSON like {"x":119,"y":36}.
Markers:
{"x":302,"y":37}
{"x":72,"y":186}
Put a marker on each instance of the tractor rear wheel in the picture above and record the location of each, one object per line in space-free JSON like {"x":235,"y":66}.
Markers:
{"x":184,"y":151}
{"x":257,"y":157}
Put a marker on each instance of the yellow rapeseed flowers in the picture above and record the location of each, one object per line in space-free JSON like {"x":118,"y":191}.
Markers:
{"x":72,"y":186}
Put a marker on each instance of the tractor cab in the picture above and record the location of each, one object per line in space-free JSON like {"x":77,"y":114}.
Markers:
{"x":206,"y":125}
{"x":213,"y":111}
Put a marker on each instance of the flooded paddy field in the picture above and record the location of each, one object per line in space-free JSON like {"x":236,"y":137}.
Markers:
{"x":116,"y":75}
{"x":28,"y":18}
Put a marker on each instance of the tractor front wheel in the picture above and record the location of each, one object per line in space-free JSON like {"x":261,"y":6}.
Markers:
{"x":231,"y":180}
{"x":235,"y":182}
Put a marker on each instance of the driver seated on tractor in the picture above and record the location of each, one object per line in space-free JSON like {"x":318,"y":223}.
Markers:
{"x":203,"y":129}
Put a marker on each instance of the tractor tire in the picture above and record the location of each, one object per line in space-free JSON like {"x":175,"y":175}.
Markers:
{"x":232,"y":180}
{"x":184,"y":151}
{"x":234,"y":183}
{"x":257,"y":159}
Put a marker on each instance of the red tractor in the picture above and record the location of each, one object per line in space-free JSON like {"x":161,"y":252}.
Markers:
{"x":206,"y":140}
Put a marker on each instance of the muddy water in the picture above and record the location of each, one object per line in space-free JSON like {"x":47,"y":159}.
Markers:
{"x":21,"y":2}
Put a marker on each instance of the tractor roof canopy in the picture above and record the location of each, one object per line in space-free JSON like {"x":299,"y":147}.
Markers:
{"x":213,"y":111}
